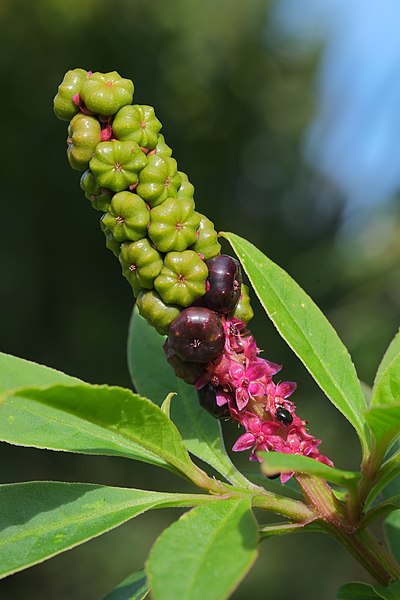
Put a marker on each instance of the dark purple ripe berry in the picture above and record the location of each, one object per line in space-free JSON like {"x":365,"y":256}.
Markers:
{"x":208,"y":400}
{"x":223,"y":284}
{"x":188,"y":371}
{"x":283,"y":415}
{"x":196,"y":335}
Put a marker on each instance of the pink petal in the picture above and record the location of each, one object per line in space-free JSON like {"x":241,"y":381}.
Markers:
{"x":242,"y":398}
{"x":245,"y":442}
{"x":285,"y":389}
{"x":286,"y":476}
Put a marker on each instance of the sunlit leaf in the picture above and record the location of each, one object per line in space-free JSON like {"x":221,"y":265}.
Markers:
{"x":278,"y":462}
{"x":153,"y":377}
{"x":205,"y":554}
{"x":307,"y":331}
{"x":42,"y":518}
{"x":387,"y":388}
{"x":390,"y":354}
{"x":93,"y":420}
{"x":17,"y":372}
{"x":134,"y":587}
{"x":384,"y":422}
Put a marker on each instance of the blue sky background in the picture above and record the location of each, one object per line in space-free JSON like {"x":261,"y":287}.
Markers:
{"x":354,"y":136}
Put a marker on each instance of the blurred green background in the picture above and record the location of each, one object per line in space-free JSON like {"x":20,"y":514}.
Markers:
{"x":234,"y":108}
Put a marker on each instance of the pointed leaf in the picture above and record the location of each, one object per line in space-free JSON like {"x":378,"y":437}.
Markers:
{"x":40,"y":519}
{"x":392,"y":532}
{"x":278,"y":462}
{"x":390,"y":354}
{"x":307,"y":331}
{"x":205,"y":554}
{"x":357,"y":591}
{"x":134,"y":587}
{"x":17,"y":372}
{"x":285,"y":528}
{"x":384,"y":422}
{"x":110,"y":414}
{"x":387,"y":473}
{"x":153,"y":377}
{"x":380,"y":510}
{"x":387,"y":388}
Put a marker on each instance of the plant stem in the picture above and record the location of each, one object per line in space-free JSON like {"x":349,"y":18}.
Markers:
{"x":361,"y":543}
{"x":287,"y":507}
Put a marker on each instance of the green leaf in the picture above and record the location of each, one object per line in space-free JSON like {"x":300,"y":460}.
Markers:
{"x":392,"y":532}
{"x":40,"y":519}
{"x":392,"y":592}
{"x":285,"y":528}
{"x":205,"y":554}
{"x":279,"y":462}
{"x":134,"y":587}
{"x":93,"y":420}
{"x":153,"y":377}
{"x":384,"y":422}
{"x":17,"y":372}
{"x":380,"y":510}
{"x":357,"y":591}
{"x":387,"y":473}
{"x":307,"y":331}
{"x":387,"y":388}
{"x":390,"y":354}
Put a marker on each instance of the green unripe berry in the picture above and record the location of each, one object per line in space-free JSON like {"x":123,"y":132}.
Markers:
{"x":173,"y":225}
{"x":106,"y":93}
{"x":127,"y":217}
{"x":243,"y":310}
{"x":116,"y":165}
{"x":100,"y":198}
{"x":137,"y":123}
{"x":83,"y":137}
{"x":63,"y":105}
{"x":141,"y":264}
{"x":159,"y":180}
{"x":162,"y":147}
{"x":186,"y":189}
{"x":207,"y":239}
{"x":111,"y":242}
{"x":182,"y":279}
{"x":156,"y":312}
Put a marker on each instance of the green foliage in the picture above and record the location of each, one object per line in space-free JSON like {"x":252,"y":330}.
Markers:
{"x":391,"y":353}
{"x":40,"y":519}
{"x":205,"y":554}
{"x":17,"y":372}
{"x":276,"y":462}
{"x":128,"y":424}
{"x":307,"y":331}
{"x":357,"y":591}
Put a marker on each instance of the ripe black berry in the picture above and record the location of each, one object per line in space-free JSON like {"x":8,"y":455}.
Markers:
{"x":283,"y":415}
{"x":188,"y":371}
{"x":207,"y":399}
{"x":196,"y":335}
{"x":224,"y":283}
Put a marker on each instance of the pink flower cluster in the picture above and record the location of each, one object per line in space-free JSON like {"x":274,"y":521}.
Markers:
{"x":243,"y":383}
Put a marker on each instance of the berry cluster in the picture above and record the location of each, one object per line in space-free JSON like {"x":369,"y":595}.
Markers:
{"x":170,"y":255}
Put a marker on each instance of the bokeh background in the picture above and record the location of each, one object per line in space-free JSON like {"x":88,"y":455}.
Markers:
{"x":286,"y":117}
